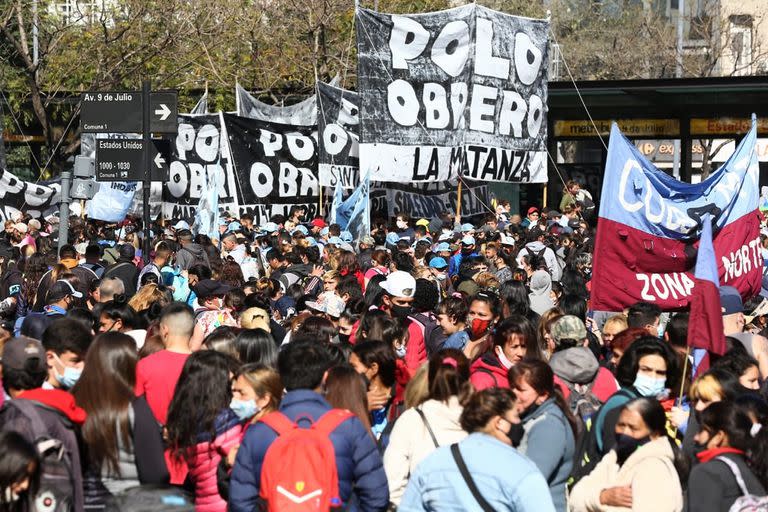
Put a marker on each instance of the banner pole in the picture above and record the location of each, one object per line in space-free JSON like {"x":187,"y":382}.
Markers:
{"x":544,"y":197}
{"x":457,"y":221}
{"x":320,"y":202}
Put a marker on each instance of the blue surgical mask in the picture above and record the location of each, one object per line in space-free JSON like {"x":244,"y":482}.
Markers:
{"x":245,"y":409}
{"x":69,"y":378}
{"x":648,"y":386}
{"x":400,"y":352}
{"x":660,"y":330}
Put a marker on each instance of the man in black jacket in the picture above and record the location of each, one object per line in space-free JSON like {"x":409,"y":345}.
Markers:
{"x":125,"y":269}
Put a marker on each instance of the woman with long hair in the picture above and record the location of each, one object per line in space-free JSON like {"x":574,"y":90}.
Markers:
{"x":503,"y":478}
{"x":346,"y":389}
{"x":375,"y":360}
{"x":33,"y":269}
{"x":349,"y":266}
{"x":435,"y":422}
{"x":202,"y":429}
{"x":510,"y":342}
{"x":19,"y":472}
{"x":723,"y":449}
{"x":644,"y":470}
{"x":548,"y":436}
{"x":253,"y":346}
{"x":123,"y":444}
{"x":484,"y":313}
{"x":544,"y":331}
{"x":381,"y":261}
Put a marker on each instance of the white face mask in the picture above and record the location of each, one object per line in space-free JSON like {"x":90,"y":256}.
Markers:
{"x":402,"y":224}
{"x":506,"y":363}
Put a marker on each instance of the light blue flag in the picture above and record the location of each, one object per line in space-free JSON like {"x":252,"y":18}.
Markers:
{"x":360,"y":220}
{"x":207,"y":214}
{"x":337,"y":201}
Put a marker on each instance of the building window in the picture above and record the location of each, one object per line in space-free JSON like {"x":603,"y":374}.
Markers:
{"x":740,"y":43}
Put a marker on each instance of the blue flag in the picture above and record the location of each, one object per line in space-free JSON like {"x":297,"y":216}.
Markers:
{"x":337,"y":200}
{"x":360,"y":220}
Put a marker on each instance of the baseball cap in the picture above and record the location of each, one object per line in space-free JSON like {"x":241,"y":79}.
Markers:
{"x":270,"y":227}
{"x":23,"y":353}
{"x":223,"y":222}
{"x":533,"y":209}
{"x":234,"y":226}
{"x":445,"y":237}
{"x":255,"y":318}
{"x":301,"y":229}
{"x":328,"y":303}
{"x":466,"y":228}
{"x":61,"y":289}
{"x":346,"y":236}
{"x":468,"y":240}
{"x":20,"y":227}
{"x":443,"y":247}
{"x":311,"y":241}
{"x":392,"y":238}
{"x":335,"y":240}
{"x":182,"y":224}
{"x":507,"y":240}
{"x":422,"y":222}
{"x":34,"y":224}
{"x":730,"y":300}
{"x":399,"y":284}
{"x":438,"y":263}
{"x":318,"y":223}
{"x":127,"y":252}
{"x":209,"y":288}
{"x":568,"y":327}
{"x":324,"y":231}
{"x":368,"y":240}
{"x":552,"y":214}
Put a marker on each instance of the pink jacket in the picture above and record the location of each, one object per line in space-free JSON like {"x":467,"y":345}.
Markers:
{"x":206,"y":458}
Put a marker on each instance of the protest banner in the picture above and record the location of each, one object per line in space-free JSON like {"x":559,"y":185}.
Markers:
{"x":113,"y":201}
{"x":650,"y":224}
{"x":275,"y":166}
{"x":429,"y":200}
{"x":199,"y":156}
{"x":303,"y":113}
{"x":456,"y":91}
{"x":35,"y":199}
{"x":338,"y":125}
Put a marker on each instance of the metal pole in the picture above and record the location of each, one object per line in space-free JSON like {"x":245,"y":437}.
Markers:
{"x":147,"y":166}
{"x":680,"y":35}
{"x":66,"y":183}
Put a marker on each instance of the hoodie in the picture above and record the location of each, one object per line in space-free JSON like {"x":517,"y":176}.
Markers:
{"x":578,"y":365}
{"x":191,"y":254}
{"x":541,"y":286}
{"x":550,"y":259}
{"x":488,"y":372}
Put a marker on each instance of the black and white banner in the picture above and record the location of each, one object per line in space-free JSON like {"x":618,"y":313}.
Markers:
{"x":456,"y":91}
{"x":276,"y":166}
{"x":303,"y":113}
{"x":338,"y":124}
{"x":430,"y":200}
{"x":36,"y":199}
{"x":200,"y":155}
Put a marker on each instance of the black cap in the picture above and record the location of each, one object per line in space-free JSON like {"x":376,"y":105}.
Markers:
{"x":210,"y":288}
{"x":61,"y":289}
{"x":24,"y":354}
{"x":127,"y":252}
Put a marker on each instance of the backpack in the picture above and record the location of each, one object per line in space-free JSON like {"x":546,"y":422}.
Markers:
{"x":299,"y":471}
{"x":748,"y":502}
{"x":56,"y":492}
{"x":155,"y":498}
{"x":430,"y":328}
{"x":583,"y":404}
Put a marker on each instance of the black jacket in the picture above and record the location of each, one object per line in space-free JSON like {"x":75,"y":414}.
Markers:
{"x":712,"y":486}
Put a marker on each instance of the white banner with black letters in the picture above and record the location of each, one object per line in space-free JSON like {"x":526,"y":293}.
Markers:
{"x":456,"y":91}
{"x":338,"y":125}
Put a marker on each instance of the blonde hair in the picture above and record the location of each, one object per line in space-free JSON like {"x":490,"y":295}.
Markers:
{"x":486,"y":280}
{"x":332,"y":274}
{"x":706,"y":388}
{"x":619,"y":320}
{"x":417,"y":390}
{"x":146,"y":296}
{"x":264,"y":381}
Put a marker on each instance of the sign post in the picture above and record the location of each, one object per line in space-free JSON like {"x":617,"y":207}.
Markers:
{"x":147,"y":135}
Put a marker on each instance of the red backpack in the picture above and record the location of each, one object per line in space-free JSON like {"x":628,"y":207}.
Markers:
{"x":299,"y":470}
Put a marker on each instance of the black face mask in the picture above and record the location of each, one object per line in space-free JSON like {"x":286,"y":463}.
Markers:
{"x":530,"y":410}
{"x":627,"y":445}
{"x":344,"y":339}
{"x":400,"y":311}
{"x":698,"y":448}
{"x":516,"y":433}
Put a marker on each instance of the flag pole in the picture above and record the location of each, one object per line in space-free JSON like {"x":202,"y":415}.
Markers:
{"x":458,"y":204}
{"x":682,"y":380}
{"x":544,"y":197}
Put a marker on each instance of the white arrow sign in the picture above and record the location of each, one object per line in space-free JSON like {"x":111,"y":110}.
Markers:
{"x":159,"y":161}
{"x":163,"y":112}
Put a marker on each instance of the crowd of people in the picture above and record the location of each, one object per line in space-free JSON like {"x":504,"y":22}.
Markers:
{"x":431,"y":365}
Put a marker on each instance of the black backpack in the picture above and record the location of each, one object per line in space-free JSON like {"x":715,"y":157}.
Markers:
{"x":57,"y":473}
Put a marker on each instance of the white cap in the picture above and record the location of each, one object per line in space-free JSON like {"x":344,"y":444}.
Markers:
{"x":399,"y":284}
{"x":182,"y":224}
{"x":20,"y":227}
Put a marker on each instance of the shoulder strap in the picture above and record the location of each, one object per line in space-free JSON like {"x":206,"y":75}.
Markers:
{"x":483,"y":369}
{"x":468,"y":478}
{"x":736,"y":473}
{"x":278,"y":422}
{"x":426,"y":424}
{"x":330,"y":420}
{"x":29,"y":409}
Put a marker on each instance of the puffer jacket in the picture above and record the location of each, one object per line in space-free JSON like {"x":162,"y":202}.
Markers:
{"x":549,"y":442}
{"x":362,"y":481}
{"x":506,"y":479}
{"x":651,"y":473}
{"x":488,"y":372}
{"x":206,"y":457}
{"x":410,"y":442}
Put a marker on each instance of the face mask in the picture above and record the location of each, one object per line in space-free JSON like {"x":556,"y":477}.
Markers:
{"x":515,"y":434}
{"x":245,"y":409}
{"x":626,"y":446}
{"x":400,"y":311}
{"x":506,"y":363}
{"x":402,"y":224}
{"x":479,"y":327}
{"x":69,"y":378}
{"x":660,"y":331}
{"x":648,"y":386}
{"x":440,"y":277}
{"x":530,"y":410}
{"x":400,"y":352}
{"x":698,"y":449}
{"x":344,"y":339}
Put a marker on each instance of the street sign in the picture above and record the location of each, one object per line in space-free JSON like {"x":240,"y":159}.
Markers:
{"x":83,"y":189}
{"x":123,"y":160}
{"x":111,"y":112}
{"x":163,"y":111}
